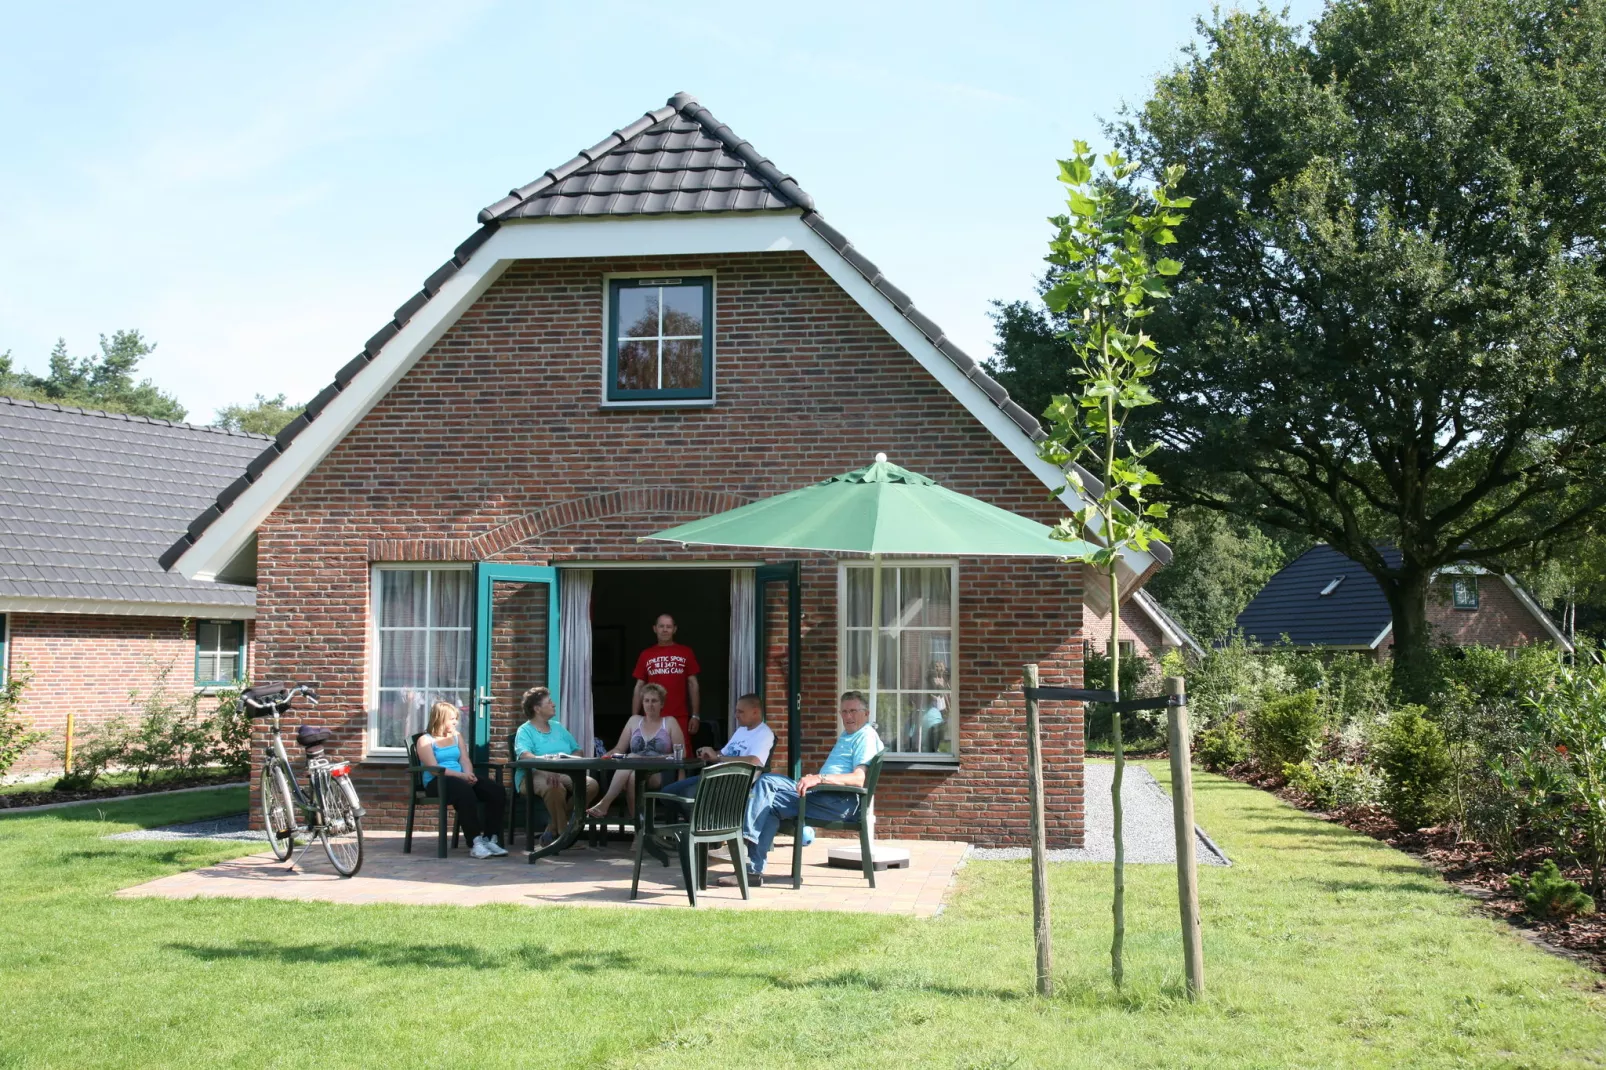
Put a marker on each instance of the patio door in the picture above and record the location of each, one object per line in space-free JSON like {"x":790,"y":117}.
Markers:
{"x":778,"y":616}
{"x":515,"y":647}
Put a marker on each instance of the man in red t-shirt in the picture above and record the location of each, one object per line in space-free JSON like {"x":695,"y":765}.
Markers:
{"x":673,"y":667}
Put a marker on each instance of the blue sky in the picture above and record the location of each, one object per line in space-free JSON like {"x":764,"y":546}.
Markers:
{"x":257,"y":187}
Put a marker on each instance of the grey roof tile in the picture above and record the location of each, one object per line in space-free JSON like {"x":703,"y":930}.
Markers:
{"x":674,"y":159}
{"x":1292,"y":604}
{"x":88,"y":499}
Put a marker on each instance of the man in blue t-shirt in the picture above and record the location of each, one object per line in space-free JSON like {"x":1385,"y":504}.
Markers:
{"x":775,"y":797}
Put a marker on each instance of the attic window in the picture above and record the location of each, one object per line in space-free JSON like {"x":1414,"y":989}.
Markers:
{"x":1464,"y":592}
{"x":1331,"y":587}
{"x":660,"y":340}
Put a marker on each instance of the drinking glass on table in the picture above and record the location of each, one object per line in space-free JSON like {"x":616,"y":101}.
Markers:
{"x":680,"y":752}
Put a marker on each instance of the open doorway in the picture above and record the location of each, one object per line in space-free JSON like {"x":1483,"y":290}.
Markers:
{"x":624,"y":604}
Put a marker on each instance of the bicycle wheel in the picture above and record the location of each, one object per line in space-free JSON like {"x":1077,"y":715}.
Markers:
{"x":342,"y":826}
{"x":278,"y":811}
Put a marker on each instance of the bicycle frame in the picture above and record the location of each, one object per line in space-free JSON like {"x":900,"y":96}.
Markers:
{"x":311,"y":802}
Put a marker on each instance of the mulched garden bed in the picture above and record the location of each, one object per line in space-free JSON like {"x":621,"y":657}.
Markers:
{"x":43,"y":797}
{"x":1468,"y":865}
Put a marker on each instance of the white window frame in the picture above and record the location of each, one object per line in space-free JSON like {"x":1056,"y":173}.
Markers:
{"x":607,"y":341}
{"x":371,"y":675}
{"x":955,"y":658}
{"x":209,"y":687}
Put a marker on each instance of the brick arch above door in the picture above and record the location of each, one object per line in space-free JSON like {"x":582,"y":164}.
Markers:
{"x":686,"y":501}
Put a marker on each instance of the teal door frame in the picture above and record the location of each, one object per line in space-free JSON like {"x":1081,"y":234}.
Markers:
{"x":791,"y":574}
{"x":485,"y":574}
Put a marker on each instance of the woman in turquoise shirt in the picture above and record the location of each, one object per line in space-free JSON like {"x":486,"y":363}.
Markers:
{"x":541,"y":737}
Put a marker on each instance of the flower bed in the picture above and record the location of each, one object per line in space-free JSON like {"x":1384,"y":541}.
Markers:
{"x":24,"y":795}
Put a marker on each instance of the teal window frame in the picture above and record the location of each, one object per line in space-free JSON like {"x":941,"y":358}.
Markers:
{"x":612,"y":392}
{"x":1464,"y":583}
{"x":5,"y":648}
{"x":239,"y":660}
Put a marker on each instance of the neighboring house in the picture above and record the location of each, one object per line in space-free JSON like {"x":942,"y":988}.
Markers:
{"x":87,"y":502}
{"x":1146,"y":628}
{"x":1326,"y":600}
{"x":662,"y":328}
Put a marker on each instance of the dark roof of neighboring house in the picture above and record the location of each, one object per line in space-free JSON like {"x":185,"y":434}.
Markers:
{"x":88,"y":499}
{"x":1291,"y":604}
{"x":674,"y":159}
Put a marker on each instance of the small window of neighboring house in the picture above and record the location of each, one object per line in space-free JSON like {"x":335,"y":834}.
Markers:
{"x":219,"y":653}
{"x":661,"y":339}
{"x":1464,"y":592}
{"x":1129,"y":649}
{"x":5,"y":648}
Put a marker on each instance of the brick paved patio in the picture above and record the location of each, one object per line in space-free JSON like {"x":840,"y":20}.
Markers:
{"x":583,"y":877}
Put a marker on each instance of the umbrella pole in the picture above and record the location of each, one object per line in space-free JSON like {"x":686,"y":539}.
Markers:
{"x":875,"y":633}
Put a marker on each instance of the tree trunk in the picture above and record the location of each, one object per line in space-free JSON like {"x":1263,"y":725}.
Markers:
{"x":1407,"y":596}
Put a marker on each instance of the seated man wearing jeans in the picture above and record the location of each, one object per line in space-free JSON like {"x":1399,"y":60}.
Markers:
{"x":751,"y":743}
{"x":775,"y":797}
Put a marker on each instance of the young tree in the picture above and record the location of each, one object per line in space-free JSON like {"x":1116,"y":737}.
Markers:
{"x":104,"y":381}
{"x":1391,"y":321}
{"x":1105,"y":279}
{"x":264,"y":416}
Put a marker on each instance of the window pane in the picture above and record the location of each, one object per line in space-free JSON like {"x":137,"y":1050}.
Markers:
{"x":887,"y":663}
{"x":206,"y":668}
{"x":208,"y":636}
{"x":923,"y":660}
{"x":400,"y":714}
{"x":683,"y":310}
{"x":453,"y":592}
{"x":225,"y":667}
{"x":889,"y":595}
{"x":638,"y":366}
{"x":857,"y":659}
{"x":403,"y":595}
{"x":858,"y":598}
{"x":638,"y":311}
{"x":401,"y":658}
{"x":683,"y":365}
{"x":888,"y":720}
{"x":927,"y":597}
{"x":449,"y":664}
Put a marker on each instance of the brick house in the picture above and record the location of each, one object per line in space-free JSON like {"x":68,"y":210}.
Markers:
{"x":1325,"y":600}
{"x":662,"y":328}
{"x":87,"y":502}
{"x":1147,"y":629}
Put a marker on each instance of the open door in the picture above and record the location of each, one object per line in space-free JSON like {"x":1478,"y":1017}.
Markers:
{"x":515,"y":646}
{"x":778,"y":590}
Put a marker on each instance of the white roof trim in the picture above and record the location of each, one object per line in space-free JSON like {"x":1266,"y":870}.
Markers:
{"x":599,"y":238}
{"x":1538,"y":613}
{"x":111,"y":608}
{"x":1388,"y":630}
{"x":1173,"y":631}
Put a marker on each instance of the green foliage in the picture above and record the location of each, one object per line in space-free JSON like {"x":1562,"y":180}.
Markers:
{"x":1547,"y":894}
{"x":231,"y":729}
{"x":1231,"y":679}
{"x":171,"y":735}
{"x":1222,"y":745}
{"x":1415,"y":763}
{"x":1139,"y":678}
{"x":96,"y":750}
{"x":1570,"y":767}
{"x":1335,"y":783}
{"x":1284,"y":731}
{"x":1032,"y":358}
{"x":264,"y":416}
{"x":1389,"y":321}
{"x":105,"y":381}
{"x":1218,"y":564}
{"x":15,"y":736}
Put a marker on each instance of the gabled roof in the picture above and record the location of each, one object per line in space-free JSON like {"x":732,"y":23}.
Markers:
{"x":1325,"y":599}
{"x":88,"y":499}
{"x":1169,"y":626}
{"x":676,"y":162}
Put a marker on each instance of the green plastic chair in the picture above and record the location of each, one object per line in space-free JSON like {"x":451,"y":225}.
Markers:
{"x":872,"y":774}
{"x":415,"y":774}
{"x":713,"y":816}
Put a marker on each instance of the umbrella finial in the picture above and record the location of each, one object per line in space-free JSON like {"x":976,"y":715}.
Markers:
{"x":881,"y":458}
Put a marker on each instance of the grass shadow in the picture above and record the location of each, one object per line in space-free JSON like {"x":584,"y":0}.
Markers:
{"x":425,"y":956}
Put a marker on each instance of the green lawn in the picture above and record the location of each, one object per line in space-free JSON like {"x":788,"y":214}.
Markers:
{"x":1324,"y":948}
{"x":108,"y":780}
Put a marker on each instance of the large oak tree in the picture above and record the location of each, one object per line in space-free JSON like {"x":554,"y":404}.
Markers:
{"x":1391,"y":323}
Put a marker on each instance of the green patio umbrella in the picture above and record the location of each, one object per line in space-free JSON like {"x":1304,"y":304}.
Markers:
{"x":881,"y":509}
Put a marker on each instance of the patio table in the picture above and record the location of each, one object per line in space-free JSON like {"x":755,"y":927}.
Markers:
{"x":576,"y":769}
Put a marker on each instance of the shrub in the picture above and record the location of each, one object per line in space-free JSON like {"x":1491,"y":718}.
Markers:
{"x":1334,"y":784}
{"x":1139,"y":678}
{"x":1547,"y":894}
{"x":171,"y":736}
{"x":1284,"y":731}
{"x":97,"y":748}
{"x":1572,"y":718}
{"x":232,"y":729}
{"x":1222,"y":745}
{"x":15,"y":736}
{"x":1415,"y":763}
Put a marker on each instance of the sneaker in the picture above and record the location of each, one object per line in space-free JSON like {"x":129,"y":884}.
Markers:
{"x":496,"y":849}
{"x":479,"y":850}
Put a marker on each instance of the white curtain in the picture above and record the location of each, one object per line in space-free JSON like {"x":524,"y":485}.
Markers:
{"x":743,"y":661}
{"x":574,"y":670}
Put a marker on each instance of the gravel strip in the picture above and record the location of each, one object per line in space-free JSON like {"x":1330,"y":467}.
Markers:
{"x":218,"y":828}
{"x":1149,"y":836}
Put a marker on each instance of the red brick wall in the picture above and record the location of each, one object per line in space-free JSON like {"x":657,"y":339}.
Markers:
{"x":1135,"y":625}
{"x":1500,"y":619}
{"x":87,"y":665}
{"x":494,"y":445}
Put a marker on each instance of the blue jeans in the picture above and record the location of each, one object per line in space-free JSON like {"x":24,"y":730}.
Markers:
{"x":775,"y":797}
{"x":686,"y":786}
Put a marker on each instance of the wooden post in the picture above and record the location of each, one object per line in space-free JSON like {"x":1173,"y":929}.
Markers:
{"x":1187,"y":852}
{"x":67,"y":755}
{"x":1034,"y":791}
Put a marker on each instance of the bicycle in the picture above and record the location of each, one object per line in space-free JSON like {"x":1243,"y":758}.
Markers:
{"x":329,"y":808}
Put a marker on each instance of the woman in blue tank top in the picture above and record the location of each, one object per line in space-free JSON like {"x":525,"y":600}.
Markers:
{"x":445,"y":747}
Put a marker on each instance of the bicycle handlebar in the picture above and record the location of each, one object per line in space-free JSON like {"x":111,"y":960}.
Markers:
{"x":278,"y":696}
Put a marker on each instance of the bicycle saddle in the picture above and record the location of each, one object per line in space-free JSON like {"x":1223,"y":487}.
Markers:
{"x":310,"y":736}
